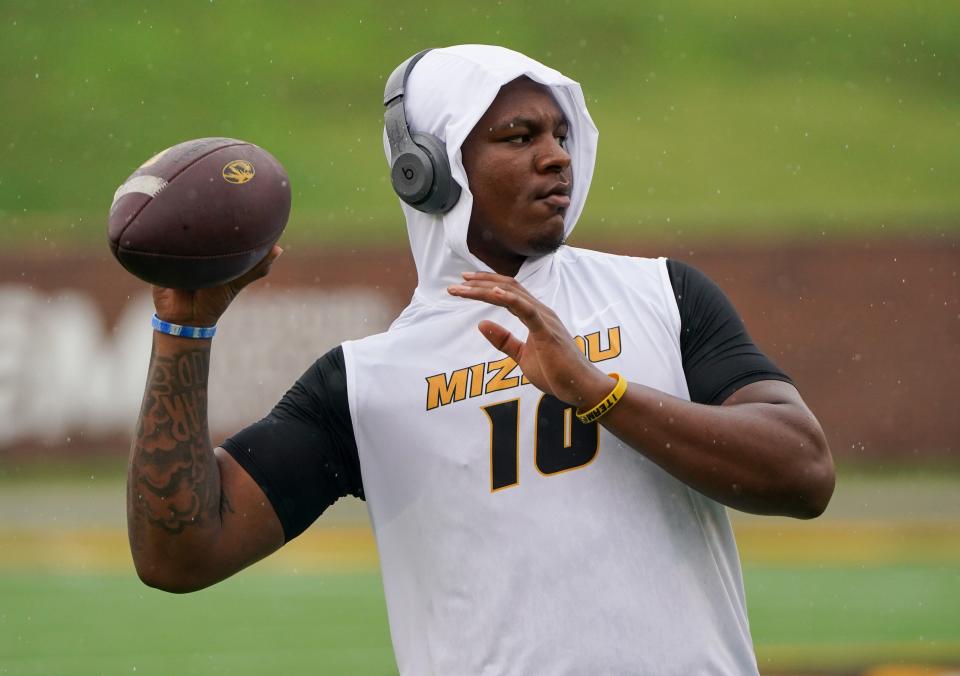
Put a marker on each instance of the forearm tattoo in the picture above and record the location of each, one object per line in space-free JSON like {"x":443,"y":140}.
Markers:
{"x":174,"y":482}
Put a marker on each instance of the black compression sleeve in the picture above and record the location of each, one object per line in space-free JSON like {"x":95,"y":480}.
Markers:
{"x":303,"y":454}
{"x":718,"y":355}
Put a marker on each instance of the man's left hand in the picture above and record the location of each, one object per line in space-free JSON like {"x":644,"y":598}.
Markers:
{"x":549,"y":358}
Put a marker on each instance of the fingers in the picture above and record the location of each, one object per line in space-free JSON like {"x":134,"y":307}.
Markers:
{"x":525,"y":308}
{"x":489,"y":276}
{"x":259,"y":270}
{"x":493,"y":279}
{"x":501,"y":339}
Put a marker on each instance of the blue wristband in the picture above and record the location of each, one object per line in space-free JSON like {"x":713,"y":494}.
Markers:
{"x":182,"y":331}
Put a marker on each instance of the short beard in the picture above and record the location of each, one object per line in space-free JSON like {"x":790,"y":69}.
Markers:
{"x":546,"y":244}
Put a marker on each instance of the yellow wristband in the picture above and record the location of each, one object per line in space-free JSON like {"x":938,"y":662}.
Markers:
{"x":609,"y":401}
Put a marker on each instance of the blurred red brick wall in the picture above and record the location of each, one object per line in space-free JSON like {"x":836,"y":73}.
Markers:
{"x":869,"y":329}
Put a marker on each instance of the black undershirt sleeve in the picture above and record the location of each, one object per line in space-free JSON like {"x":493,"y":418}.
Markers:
{"x":718,"y":355}
{"x":304,"y":454}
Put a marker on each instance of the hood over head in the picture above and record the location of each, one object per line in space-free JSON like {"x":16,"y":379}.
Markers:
{"x":448,"y":91}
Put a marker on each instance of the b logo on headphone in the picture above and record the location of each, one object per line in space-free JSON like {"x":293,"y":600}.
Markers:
{"x":419,"y":166}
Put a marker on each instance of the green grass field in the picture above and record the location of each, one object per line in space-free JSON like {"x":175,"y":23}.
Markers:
{"x":806,"y":118}
{"x":874,"y":581}
{"x":335,"y":623}
{"x":255,"y":624}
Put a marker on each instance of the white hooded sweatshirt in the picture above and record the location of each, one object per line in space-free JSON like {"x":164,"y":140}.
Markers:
{"x":512,"y":538}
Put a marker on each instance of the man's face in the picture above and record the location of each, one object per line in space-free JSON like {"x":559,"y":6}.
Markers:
{"x":520,"y":177}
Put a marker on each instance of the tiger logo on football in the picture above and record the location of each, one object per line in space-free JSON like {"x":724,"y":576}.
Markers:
{"x":238,"y":171}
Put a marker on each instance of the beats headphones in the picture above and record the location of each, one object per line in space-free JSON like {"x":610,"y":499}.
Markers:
{"x":419,"y":168}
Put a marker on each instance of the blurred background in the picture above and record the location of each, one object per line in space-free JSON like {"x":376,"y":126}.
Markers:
{"x":805,"y":154}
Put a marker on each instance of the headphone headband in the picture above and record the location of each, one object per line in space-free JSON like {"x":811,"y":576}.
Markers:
{"x":419,"y":167}
{"x":397,"y":82}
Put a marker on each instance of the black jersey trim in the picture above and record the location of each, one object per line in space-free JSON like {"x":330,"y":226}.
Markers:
{"x":303,"y":454}
{"x":246,"y":458}
{"x":718,"y":355}
{"x":746,"y":379}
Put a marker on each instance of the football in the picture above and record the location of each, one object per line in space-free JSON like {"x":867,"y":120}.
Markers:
{"x":199,"y":213}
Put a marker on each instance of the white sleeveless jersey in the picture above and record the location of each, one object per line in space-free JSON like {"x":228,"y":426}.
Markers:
{"x":514,"y":539}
